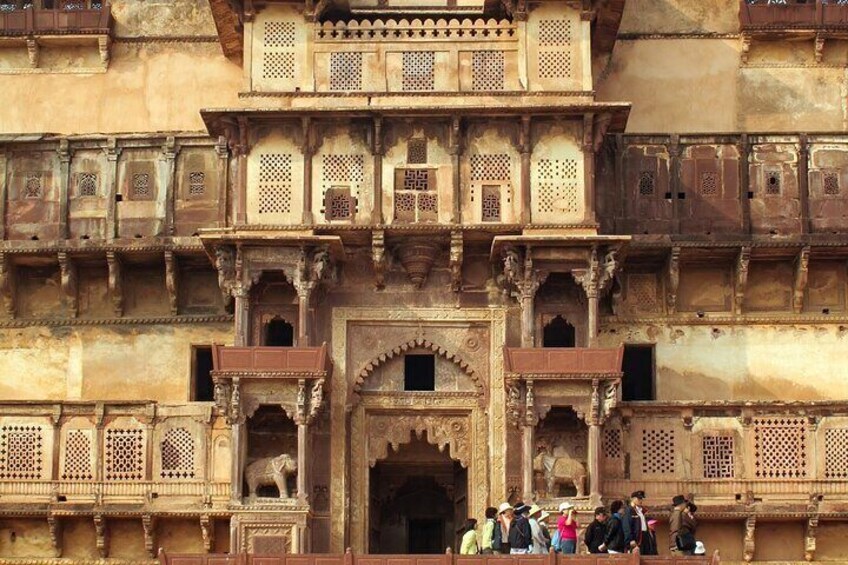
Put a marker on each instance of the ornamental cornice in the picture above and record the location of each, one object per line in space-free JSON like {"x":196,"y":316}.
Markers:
{"x":612,"y":375}
{"x":444,"y":94}
{"x":163,"y":320}
{"x":260,"y":375}
{"x":25,"y":247}
{"x":782,"y":319}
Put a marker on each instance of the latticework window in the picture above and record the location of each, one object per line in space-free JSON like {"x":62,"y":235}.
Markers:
{"x":416,"y":151}
{"x":141,"y":186}
{"x":338,"y":204}
{"x":275,"y":183}
{"x":831,"y":184}
{"x":177,"y":447}
{"x":78,"y":460}
{"x":86,"y":184}
{"x":836,"y":453}
{"x":278,"y":58}
{"x":343,"y":168}
{"x":494,"y":167}
{"x":718,"y":457}
{"x":487,"y":70}
{"x":647,"y":183}
{"x":708,"y":185}
{"x":415,"y":195}
{"x":32,"y":185}
{"x":780,"y":448}
{"x":346,"y":71}
{"x":491,"y":203}
{"x":555,"y":45}
{"x":418,"y":70}
{"x":21,"y":452}
{"x":773,"y":180}
{"x":612,"y":443}
{"x":558,"y":188}
{"x":658,"y":450}
{"x":124,"y":455}
{"x":196,"y":183}
{"x":642,"y":291}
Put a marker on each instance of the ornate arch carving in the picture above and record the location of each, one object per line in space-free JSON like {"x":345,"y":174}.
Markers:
{"x":418,"y":343}
{"x":451,"y":432}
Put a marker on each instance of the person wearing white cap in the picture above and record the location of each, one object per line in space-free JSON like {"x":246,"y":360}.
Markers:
{"x":539,"y":542}
{"x":500,"y":537}
{"x":567,"y":527}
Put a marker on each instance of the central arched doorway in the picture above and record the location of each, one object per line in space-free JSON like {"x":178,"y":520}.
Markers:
{"x":419,"y":500}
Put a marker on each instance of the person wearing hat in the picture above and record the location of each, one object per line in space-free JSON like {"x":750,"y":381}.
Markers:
{"x":635,"y":523}
{"x":539,"y":544}
{"x":567,"y":527}
{"x":682,"y":526}
{"x":520,"y":535}
{"x":500,"y":537}
{"x":487,"y":539}
{"x":596,"y":531}
{"x":543,"y":523}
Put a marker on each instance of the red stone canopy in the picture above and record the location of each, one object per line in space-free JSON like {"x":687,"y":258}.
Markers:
{"x":271,"y":362}
{"x":562,"y":363}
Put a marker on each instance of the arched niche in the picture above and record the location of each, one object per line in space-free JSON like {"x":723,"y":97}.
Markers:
{"x":561,"y":297}
{"x":273,"y":311}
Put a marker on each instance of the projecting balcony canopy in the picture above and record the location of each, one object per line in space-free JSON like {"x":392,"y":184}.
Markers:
{"x":793,"y":15}
{"x":82,"y":17}
{"x":270,"y":362}
{"x":554,"y":363}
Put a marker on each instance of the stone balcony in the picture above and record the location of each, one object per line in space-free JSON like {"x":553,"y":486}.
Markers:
{"x":271,"y":362}
{"x":72,"y":18}
{"x":562,"y":363}
{"x":793,"y":15}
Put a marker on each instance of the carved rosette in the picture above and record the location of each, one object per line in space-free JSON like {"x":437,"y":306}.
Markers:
{"x":451,"y":432}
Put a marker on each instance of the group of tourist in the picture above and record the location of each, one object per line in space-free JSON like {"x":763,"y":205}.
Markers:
{"x":621,"y":528}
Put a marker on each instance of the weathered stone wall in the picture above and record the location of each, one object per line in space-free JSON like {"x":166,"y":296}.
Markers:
{"x":680,"y":63}
{"x":750,"y":362}
{"x":103,"y":362}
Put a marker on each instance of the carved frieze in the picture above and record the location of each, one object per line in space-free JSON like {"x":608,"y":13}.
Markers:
{"x":443,"y":431}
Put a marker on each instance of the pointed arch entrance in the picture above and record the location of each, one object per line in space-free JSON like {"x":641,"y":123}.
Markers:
{"x":419,"y":499}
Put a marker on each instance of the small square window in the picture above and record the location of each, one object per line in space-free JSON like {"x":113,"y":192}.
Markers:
{"x":647,"y":183}
{"x":831,"y":184}
{"x":416,"y":151}
{"x":419,"y":373}
{"x":773,"y":183}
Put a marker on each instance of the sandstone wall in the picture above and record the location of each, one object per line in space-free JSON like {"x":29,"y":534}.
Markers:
{"x":103,"y":362}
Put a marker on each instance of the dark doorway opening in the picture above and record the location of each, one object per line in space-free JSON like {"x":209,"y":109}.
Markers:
{"x":418,"y":500}
{"x":425,"y":536}
{"x":279,"y":333}
{"x":638,"y":381}
{"x":202,"y":388}
{"x":558,"y":333}
{"x":419,"y":372}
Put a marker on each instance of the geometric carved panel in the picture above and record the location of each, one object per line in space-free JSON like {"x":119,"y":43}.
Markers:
{"x":555,"y":47}
{"x":177,"y":454}
{"x":21,"y":452}
{"x":836,"y":453}
{"x":717,"y":457}
{"x":490,"y":167}
{"x":487,"y":70}
{"x":345,"y":71}
{"x":86,"y":184}
{"x":275,"y":178}
{"x":79,"y":456}
{"x":124,"y":455}
{"x":557,"y":189}
{"x":780,"y":448}
{"x":642,"y":292}
{"x":491,"y":211}
{"x":278,"y":50}
{"x":418,"y":71}
{"x":658,"y":451}
{"x":612,"y":443}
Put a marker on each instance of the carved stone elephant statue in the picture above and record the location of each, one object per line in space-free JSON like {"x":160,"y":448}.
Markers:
{"x":560,"y":470}
{"x":270,"y":471}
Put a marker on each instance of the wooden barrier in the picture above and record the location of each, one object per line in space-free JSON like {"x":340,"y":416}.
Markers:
{"x":446,"y":559}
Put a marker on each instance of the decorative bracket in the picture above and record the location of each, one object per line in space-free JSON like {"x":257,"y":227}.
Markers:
{"x":530,"y":417}
{"x":378,"y":257}
{"x":207,"y":531}
{"x":116,"y":287}
{"x":102,"y":535}
{"x":749,"y":546}
{"x":673,"y":279}
{"x":513,"y":403}
{"x":68,"y":275}
{"x":172,"y":281}
{"x":149,"y":525}
{"x":7,"y":284}
{"x":819,"y":48}
{"x":802,"y":268}
{"x":743,"y":260}
{"x":810,"y":539}
{"x":597,"y":277}
{"x":104,"y":42}
{"x":55,"y":528}
{"x":33,"y":52}
{"x":456,"y":253}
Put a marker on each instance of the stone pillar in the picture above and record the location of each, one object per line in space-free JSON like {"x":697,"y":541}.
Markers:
{"x":377,"y":151}
{"x":529,"y":441}
{"x":308,"y":149}
{"x":242,"y":317}
{"x":592,"y":325}
{"x":595,"y":279}
{"x":303,"y":456}
{"x":526,"y":280}
{"x":239,"y":449}
{"x":304,"y":298}
{"x":528,"y":316}
{"x":525,"y":147}
{"x":594,"y":462}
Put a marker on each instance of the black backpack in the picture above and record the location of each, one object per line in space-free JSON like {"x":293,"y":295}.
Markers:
{"x":517,"y":537}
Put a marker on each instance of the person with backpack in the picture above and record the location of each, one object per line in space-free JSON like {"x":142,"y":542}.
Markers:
{"x":596,"y":532}
{"x":500,"y":537}
{"x":488,"y":537}
{"x":681,"y":527}
{"x":614,"y":540}
{"x":520,"y":536}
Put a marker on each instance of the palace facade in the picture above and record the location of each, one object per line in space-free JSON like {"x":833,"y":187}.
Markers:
{"x":301,"y":276}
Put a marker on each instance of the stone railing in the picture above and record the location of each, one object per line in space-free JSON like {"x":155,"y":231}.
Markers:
{"x":793,"y":14}
{"x":730,"y":455}
{"x":104,"y":453}
{"x":76,"y":18}
{"x":415,"y":30}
